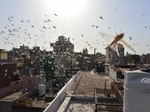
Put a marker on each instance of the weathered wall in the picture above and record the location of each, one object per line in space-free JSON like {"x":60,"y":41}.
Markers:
{"x":112,"y":73}
{"x":25,"y":82}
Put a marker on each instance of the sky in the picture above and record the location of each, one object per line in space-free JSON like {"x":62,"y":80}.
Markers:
{"x":88,"y":23}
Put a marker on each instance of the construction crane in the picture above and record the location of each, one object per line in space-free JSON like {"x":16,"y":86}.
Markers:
{"x":116,"y":39}
{"x":115,"y":50}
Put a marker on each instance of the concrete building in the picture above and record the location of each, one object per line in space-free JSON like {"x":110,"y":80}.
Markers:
{"x":7,"y":73}
{"x":62,"y":46}
{"x":121,"y":53}
{"x":145,"y":59}
{"x":3,"y":55}
{"x":111,"y":56}
{"x":115,"y":55}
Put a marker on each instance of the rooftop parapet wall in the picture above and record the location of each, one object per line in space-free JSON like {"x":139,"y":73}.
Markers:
{"x":67,"y":89}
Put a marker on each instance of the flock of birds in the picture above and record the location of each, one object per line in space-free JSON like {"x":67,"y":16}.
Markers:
{"x":16,"y":29}
{"x":24,"y":29}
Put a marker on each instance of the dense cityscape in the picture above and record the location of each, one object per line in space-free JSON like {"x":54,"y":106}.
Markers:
{"x":40,"y":74}
{"x":74,"y":56}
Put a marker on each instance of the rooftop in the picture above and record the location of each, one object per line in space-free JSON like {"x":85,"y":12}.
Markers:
{"x":84,"y":93}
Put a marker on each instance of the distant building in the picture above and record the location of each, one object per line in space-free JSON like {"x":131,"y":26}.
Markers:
{"x":85,"y":60}
{"x":3,"y":55}
{"x":115,"y":55}
{"x":62,"y":45}
{"x":85,"y":51}
{"x":111,"y":56}
{"x":121,"y":53}
{"x":7,"y":73}
{"x":134,"y":59}
{"x":145,"y":59}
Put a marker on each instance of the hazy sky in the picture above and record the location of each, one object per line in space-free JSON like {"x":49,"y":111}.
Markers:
{"x":88,"y":23}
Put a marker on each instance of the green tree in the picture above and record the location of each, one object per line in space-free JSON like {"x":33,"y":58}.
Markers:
{"x":49,"y":67}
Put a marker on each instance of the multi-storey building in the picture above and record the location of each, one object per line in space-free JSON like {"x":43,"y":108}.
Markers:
{"x":62,"y":46}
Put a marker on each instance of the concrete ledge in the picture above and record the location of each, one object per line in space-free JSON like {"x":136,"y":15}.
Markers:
{"x":59,"y":99}
{"x":82,"y":98}
{"x":64,"y":106}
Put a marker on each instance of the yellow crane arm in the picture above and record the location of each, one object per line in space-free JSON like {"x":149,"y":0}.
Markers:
{"x":117,"y":38}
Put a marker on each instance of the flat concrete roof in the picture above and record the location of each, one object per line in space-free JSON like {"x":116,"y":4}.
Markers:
{"x":89,"y":81}
{"x":81,"y":107}
{"x":78,"y":95}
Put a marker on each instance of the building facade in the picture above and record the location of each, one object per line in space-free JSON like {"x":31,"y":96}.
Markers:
{"x":62,"y":45}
